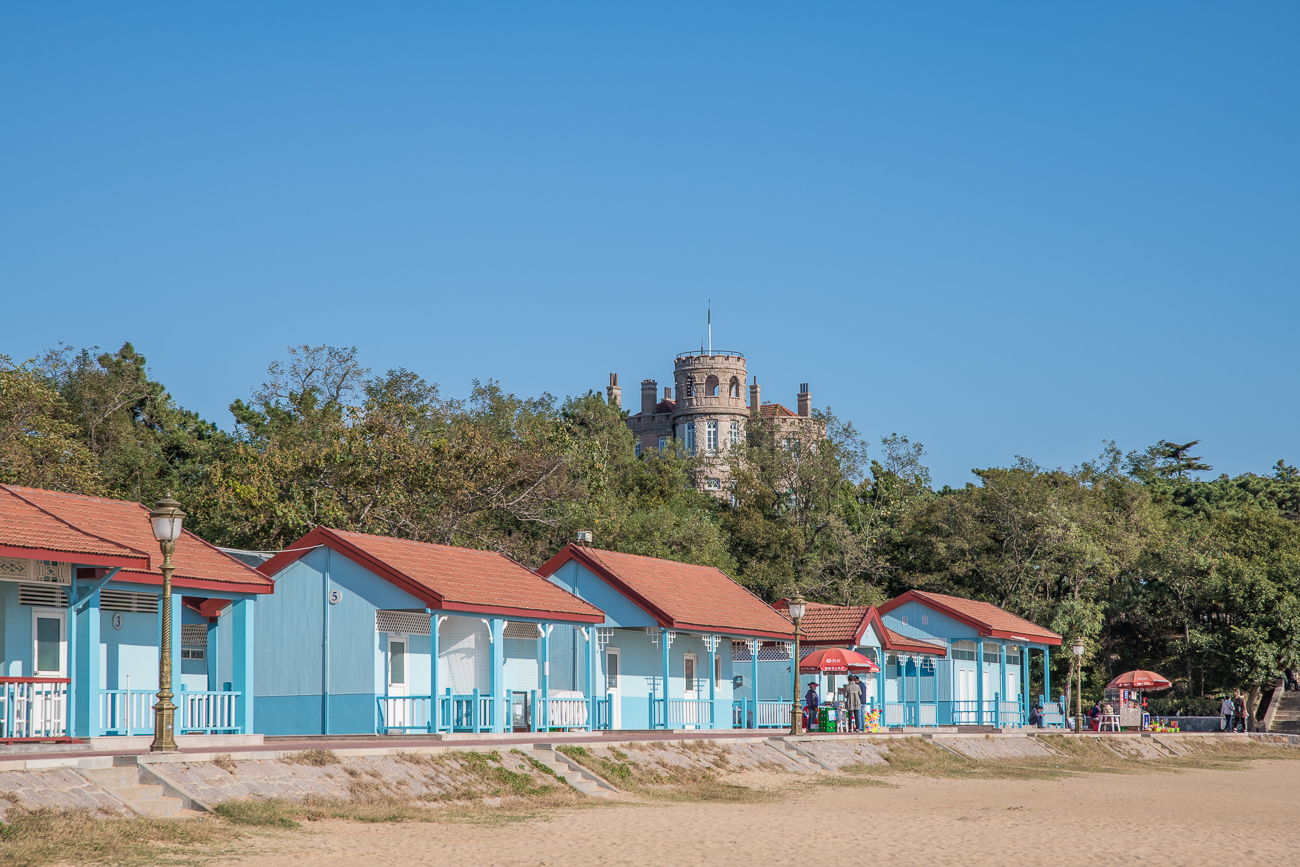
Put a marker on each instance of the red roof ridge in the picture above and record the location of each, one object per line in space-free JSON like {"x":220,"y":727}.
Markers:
{"x":959,"y":608}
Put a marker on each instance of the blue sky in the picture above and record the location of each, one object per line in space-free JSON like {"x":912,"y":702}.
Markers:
{"x":1000,"y":229}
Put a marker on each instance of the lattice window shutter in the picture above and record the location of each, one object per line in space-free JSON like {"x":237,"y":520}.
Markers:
{"x":194,"y":635}
{"x":402,"y":622}
{"x":42,"y":596}
{"x":126,"y":600}
{"x":521,"y":630}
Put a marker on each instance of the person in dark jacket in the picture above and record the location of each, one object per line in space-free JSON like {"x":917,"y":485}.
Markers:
{"x":811,"y":702}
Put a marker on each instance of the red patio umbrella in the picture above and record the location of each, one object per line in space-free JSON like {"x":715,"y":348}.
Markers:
{"x":1139,"y":680}
{"x":837,"y":660}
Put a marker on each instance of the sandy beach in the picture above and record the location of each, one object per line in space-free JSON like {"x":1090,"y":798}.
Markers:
{"x":1241,"y":816}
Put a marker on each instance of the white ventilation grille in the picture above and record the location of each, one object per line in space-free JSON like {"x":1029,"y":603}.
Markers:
{"x":41,"y":571}
{"x":525,"y":631}
{"x":194,"y":635}
{"x":42,"y":596}
{"x":404,"y":622}
{"x":768,"y":651}
{"x":126,"y":600}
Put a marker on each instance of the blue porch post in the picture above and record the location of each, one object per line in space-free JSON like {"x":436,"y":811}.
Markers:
{"x":544,"y":676}
{"x":241,"y":656}
{"x":84,"y":649}
{"x":880,"y":685}
{"x":1024,"y":673}
{"x":663,"y":645}
{"x":1047,"y":672}
{"x":592,"y":646}
{"x":754,"y":645}
{"x":210,"y":648}
{"x":1002,"y":680}
{"x":498,"y":686}
{"x":434,"y":702}
{"x":917,"y":682}
{"x":713,"y":681}
{"x":979,"y":680}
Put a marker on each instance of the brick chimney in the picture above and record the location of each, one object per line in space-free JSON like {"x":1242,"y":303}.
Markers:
{"x":755,"y":401}
{"x":668,"y":393}
{"x":613,"y":393}
{"x":648,"y":390}
{"x":805,"y":400}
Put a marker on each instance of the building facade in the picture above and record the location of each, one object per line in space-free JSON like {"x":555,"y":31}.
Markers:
{"x":705,"y":410}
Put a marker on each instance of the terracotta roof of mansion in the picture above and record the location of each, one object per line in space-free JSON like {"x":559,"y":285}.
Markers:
{"x":680,"y":595}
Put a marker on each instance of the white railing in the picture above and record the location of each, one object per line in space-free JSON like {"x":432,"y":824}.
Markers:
{"x":207,"y":712}
{"x":126,"y":711}
{"x":929,"y":714}
{"x":895,"y":714}
{"x":562,"y":713}
{"x":772,"y":714}
{"x":405,"y":712}
{"x":34,"y":708}
{"x":1010,"y":713}
{"x":694,"y":712}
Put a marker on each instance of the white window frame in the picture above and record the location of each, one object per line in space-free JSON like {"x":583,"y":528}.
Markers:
{"x":735,"y":433}
{"x":406,"y":663}
{"x":663,"y":444}
{"x":61,"y":615}
{"x":691,"y":685}
{"x":689,"y":434}
{"x":711,"y":435}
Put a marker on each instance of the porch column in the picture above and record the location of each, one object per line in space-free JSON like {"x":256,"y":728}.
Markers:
{"x":979,"y":679}
{"x":242,"y":661}
{"x":210,"y":647}
{"x":754,"y":645}
{"x":434,"y":623}
{"x":713,"y":681}
{"x":1024,"y":672}
{"x":1047,"y":673}
{"x":663,"y":645}
{"x":84,"y":647}
{"x":592,"y":646}
{"x":543,"y":722}
{"x":498,"y":666}
{"x":1002,"y":680}
{"x":917,"y":682}
{"x":880,"y":685}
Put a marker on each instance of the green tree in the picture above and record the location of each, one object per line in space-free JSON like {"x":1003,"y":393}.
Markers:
{"x":38,"y":447}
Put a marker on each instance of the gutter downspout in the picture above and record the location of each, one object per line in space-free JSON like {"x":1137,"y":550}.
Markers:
{"x":325,"y":650}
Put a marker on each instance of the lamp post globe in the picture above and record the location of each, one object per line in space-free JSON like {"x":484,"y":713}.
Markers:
{"x":798,"y":605}
{"x":166,"y":520}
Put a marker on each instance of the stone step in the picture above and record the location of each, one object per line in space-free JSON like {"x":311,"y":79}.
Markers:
{"x":565,"y":771}
{"x":145,"y":799}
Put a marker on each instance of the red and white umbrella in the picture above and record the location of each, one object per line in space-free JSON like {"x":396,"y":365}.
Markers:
{"x":837,"y":660}
{"x":1139,"y":680}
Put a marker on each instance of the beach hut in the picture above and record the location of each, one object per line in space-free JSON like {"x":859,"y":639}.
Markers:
{"x":984,"y":679}
{"x":348,"y":642}
{"x":81,"y":617}
{"x":664,"y":646}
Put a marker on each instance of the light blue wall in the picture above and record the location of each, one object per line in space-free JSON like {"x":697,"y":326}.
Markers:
{"x":940,"y":626}
{"x":292,"y":659}
{"x":585,"y":584}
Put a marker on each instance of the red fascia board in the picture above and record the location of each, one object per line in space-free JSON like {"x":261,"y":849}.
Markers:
{"x":152,"y":579}
{"x":531,"y":613}
{"x":106,"y":560}
{"x":574,"y":552}
{"x":979,"y":626}
{"x":322,"y":536}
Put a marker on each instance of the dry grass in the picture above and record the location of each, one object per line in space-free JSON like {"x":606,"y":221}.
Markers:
{"x":315,"y":758}
{"x":32,"y":838}
{"x":658,"y":778}
{"x":226,"y":762}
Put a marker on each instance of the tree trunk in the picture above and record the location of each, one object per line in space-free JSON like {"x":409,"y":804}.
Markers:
{"x":1252,"y":701}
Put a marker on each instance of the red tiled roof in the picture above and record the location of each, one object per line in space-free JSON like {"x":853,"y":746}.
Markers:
{"x":29,"y":532}
{"x":125,"y":523}
{"x":894,"y":641}
{"x":680,"y":595}
{"x":830,"y":624}
{"x":768,"y":410}
{"x":984,"y":616}
{"x":449,"y":578}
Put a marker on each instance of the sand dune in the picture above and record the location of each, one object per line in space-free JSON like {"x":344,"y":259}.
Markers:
{"x":1240,"y":817}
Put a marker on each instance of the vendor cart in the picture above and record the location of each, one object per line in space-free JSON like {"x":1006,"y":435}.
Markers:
{"x":1125,"y":701}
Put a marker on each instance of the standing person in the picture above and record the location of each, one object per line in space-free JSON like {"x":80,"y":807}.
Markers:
{"x":862,"y":703}
{"x":810,"y":704}
{"x":1291,"y":679}
{"x":1239,"y":710}
{"x":1226,"y":710}
{"x":852,"y":702}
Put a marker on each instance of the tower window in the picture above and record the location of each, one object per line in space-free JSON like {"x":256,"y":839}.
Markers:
{"x":733,"y":390}
{"x":711,"y":435}
{"x":735,"y":433}
{"x":690,"y":438}
{"x":663,"y":444}
{"x":637,"y":448}
{"x":711,"y":387}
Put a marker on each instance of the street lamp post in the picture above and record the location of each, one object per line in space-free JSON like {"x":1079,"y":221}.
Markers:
{"x":797,"y":607}
{"x":1078,"y":647}
{"x":166,"y":519}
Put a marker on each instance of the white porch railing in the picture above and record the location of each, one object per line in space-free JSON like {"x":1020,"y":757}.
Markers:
{"x":693,"y":712}
{"x":406,"y":713}
{"x":562,"y":713}
{"x":130,"y":712}
{"x":34,"y":708}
